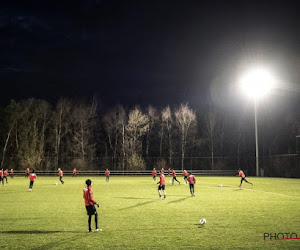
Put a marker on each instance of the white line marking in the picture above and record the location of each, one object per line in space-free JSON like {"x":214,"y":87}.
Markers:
{"x":256,"y":190}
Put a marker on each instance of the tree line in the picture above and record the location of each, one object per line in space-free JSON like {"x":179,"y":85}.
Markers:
{"x":77,"y":133}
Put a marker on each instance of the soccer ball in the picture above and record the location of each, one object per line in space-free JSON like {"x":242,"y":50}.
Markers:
{"x":56,"y":183}
{"x":202,"y":221}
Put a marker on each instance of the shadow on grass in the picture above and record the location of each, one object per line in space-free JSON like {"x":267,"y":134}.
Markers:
{"x":137,"y":205}
{"x":179,"y":200}
{"x":36,"y":232}
{"x":199,"y":225}
{"x":130,"y":198}
{"x":56,"y":244}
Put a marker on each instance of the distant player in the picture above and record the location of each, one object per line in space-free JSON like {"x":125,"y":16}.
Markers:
{"x":27,"y":172}
{"x":32,"y":178}
{"x":154,"y":173}
{"x":163,"y":170}
{"x":192,"y":180}
{"x":11,"y":173}
{"x":5,"y":174}
{"x":74,"y":172}
{"x":90,"y":205}
{"x":107,"y":174}
{"x":162,"y":185}
{"x":185,"y":175}
{"x":61,"y":174}
{"x":2,"y":176}
{"x":169,"y":171}
{"x":174,"y":177}
{"x":242,"y":174}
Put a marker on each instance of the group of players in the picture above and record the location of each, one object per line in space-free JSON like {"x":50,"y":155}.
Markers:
{"x":91,"y":204}
{"x":188,"y":178}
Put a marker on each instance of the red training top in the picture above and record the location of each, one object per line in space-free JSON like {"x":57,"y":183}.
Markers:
{"x":1,"y":174}
{"x":88,"y":196}
{"x":185,"y":173}
{"x":192,"y":179}
{"x":162,"y":180}
{"x":107,"y":172}
{"x":241,"y":174}
{"x":11,"y":171}
{"x":27,"y":171}
{"x":32,"y":176}
{"x":5,"y":173}
{"x":74,"y":171}
{"x":173,"y":173}
{"x":154,"y":172}
{"x":61,"y":173}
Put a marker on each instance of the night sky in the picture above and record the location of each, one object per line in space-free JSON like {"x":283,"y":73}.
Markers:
{"x":144,"y":52}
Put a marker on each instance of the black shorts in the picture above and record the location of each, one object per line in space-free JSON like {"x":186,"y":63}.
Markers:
{"x":243,"y":179}
{"x":161,"y":187}
{"x":91,"y":210}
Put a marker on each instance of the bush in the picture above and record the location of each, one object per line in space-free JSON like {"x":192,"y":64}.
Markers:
{"x":136,"y":162}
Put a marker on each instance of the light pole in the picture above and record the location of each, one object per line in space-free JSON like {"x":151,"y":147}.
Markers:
{"x":256,"y":83}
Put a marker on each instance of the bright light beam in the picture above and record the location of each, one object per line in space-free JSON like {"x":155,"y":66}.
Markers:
{"x":257,"y":83}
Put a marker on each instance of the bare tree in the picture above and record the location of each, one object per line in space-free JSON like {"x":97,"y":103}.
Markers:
{"x":210,"y":125}
{"x":11,"y":117}
{"x":184,"y":118}
{"x":114,"y":124}
{"x":153,"y":118}
{"x":34,"y":120}
{"x":167,"y":121}
{"x":83,"y":141}
{"x":137,"y":127}
{"x":62,"y":121}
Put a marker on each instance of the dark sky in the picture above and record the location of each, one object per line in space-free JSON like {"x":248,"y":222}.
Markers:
{"x":143,"y":52}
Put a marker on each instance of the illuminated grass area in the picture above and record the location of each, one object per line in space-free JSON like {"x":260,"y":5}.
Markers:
{"x":132,"y":217}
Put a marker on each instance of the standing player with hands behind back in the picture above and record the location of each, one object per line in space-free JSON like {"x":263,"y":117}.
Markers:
{"x":90,"y":205}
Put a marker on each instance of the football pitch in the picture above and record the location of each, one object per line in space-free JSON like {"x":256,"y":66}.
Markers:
{"x":132,"y":217}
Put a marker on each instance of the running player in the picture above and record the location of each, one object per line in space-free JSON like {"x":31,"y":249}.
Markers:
{"x":11,"y":173}
{"x":174,"y":177}
{"x":5,"y":174}
{"x":61,"y":174}
{"x":192,"y":180}
{"x":154,"y":173}
{"x":107,"y":174}
{"x":2,"y":176}
{"x":90,"y":203}
{"x":169,"y":171}
{"x":162,"y":185}
{"x":242,"y":174}
{"x":27,"y":172}
{"x":185,"y":175}
{"x":74,"y":172}
{"x":32,"y":178}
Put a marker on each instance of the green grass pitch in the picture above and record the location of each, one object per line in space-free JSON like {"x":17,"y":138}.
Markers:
{"x":132,"y":217}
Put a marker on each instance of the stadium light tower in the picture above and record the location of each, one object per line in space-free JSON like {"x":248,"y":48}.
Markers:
{"x":256,"y":83}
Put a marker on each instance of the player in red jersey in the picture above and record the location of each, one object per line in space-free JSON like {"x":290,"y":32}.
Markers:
{"x":162,"y":185}
{"x":174,"y":177}
{"x":2,"y":176}
{"x":74,"y":172}
{"x":61,"y":174}
{"x":192,"y":180}
{"x":90,"y":203}
{"x":163,"y":170}
{"x":11,"y":173}
{"x":27,"y":172}
{"x":5,"y":174}
{"x":107,"y":174}
{"x":32,"y":178}
{"x":242,"y":174}
{"x":154,"y":173}
{"x":169,"y":171}
{"x":185,"y":175}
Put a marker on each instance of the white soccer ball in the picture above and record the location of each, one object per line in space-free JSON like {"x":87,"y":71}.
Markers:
{"x":220,"y":185}
{"x":202,"y":221}
{"x":56,"y":183}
